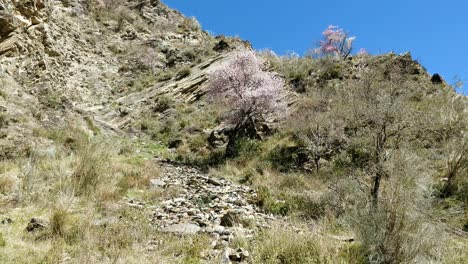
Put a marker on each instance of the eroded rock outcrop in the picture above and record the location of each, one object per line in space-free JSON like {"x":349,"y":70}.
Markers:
{"x":18,"y":14}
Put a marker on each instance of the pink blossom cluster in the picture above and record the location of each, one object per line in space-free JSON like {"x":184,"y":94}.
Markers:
{"x":245,"y":89}
{"x":336,"y":42}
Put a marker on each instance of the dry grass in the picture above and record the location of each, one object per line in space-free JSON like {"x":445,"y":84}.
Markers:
{"x":284,"y":243}
{"x":281,"y":245}
{"x":82,"y":233}
{"x":185,"y":249}
{"x":89,"y":167}
{"x":7,"y":184}
{"x":77,"y":186}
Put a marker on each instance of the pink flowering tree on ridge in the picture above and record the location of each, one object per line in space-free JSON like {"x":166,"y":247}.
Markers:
{"x":335,"y":42}
{"x":248,"y":93}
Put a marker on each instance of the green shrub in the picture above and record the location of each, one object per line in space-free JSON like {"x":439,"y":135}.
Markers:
{"x":143,"y":81}
{"x":329,"y":70}
{"x":285,"y":158}
{"x":189,"y":54}
{"x":297,"y":71}
{"x":182,"y":73}
{"x":163,"y":103}
{"x":50,"y":98}
{"x":352,"y":254}
{"x":272,"y":203}
{"x":248,"y":148}
{"x":58,"y":221}
{"x":164,"y":76}
{"x":309,"y":206}
{"x":89,"y":167}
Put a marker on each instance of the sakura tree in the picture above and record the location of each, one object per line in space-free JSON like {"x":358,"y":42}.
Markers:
{"x":336,"y":42}
{"x":248,"y":93}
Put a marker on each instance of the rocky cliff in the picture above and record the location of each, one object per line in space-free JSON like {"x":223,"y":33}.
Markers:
{"x":70,"y":60}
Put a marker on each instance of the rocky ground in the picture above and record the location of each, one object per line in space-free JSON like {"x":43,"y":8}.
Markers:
{"x":217,"y":207}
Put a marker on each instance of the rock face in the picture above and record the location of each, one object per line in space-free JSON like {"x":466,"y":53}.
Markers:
{"x":208,"y":205}
{"x":21,"y":13}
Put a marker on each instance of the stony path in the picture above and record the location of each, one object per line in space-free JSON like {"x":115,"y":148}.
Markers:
{"x":207,"y":205}
{"x":217,"y":207}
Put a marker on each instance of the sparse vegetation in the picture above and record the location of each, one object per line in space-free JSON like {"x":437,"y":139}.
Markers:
{"x":3,"y":120}
{"x":182,"y":73}
{"x":286,"y":246}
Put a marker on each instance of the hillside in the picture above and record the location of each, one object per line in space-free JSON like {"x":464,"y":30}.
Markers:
{"x":115,"y":149}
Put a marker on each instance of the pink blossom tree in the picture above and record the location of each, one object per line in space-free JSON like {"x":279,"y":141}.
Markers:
{"x":248,"y":93}
{"x":335,"y":42}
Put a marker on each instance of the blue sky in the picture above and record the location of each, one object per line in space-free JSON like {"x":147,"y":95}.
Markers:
{"x":435,"y":32}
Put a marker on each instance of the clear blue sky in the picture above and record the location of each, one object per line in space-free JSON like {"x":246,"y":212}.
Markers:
{"x":435,"y":32}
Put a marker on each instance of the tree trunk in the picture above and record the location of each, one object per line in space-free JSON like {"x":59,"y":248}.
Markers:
{"x":246,"y":128}
{"x":231,"y":148}
{"x":376,"y":188}
{"x":379,"y":159}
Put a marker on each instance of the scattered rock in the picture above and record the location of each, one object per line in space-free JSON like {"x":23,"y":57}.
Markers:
{"x":7,"y":220}
{"x":217,"y":139}
{"x":214,"y":182}
{"x":183,"y":229}
{"x":235,"y":255}
{"x":225,"y":259}
{"x":36,"y":224}
{"x":436,"y":79}
{"x":207,"y":205}
{"x":157,"y":183}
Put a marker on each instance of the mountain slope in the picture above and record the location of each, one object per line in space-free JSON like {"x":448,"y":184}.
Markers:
{"x":111,"y":152}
